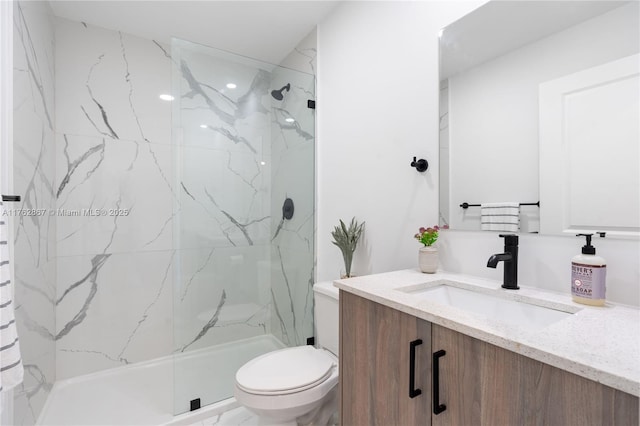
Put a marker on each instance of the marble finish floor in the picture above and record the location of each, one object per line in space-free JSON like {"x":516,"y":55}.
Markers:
{"x":234,"y":417}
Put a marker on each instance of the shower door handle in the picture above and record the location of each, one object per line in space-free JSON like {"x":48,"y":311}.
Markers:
{"x":11,"y":198}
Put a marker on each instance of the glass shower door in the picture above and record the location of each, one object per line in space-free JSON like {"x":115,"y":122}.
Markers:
{"x":243,"y":144}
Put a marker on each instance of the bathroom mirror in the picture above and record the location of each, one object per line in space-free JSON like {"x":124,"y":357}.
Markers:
{"x":539,"y":103}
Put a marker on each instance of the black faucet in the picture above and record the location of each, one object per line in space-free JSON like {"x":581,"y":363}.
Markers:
{"x":510,"y":259}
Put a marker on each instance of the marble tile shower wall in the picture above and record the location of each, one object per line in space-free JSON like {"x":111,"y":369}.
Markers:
{"x":114,"y":197}
{"x":292,"y":176}
{"x":234,"y":143}
{"x":34,"y":178}
{"x":116,"y":272}
{"x":223,"y":140}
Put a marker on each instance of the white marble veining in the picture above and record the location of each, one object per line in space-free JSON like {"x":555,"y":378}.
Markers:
{"x":108,"y":83}
{"x":113,"y":310}
{"x":34,"y":179}
{"x":241,"y":156}
{"x":600,"y":344}
{"x":153,"y":246}
{"x":122,"y":180}
{"x":220,"y":296}
{"x":114,"y":200}
{"x":235,"y":417}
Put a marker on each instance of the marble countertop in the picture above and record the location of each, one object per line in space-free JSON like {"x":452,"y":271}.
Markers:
{"x":598,"y":343}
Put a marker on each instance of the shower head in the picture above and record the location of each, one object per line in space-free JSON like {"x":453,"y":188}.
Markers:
{"x":277,"y":94}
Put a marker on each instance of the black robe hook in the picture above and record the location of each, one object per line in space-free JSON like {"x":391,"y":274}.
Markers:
{"x":421,"y":165}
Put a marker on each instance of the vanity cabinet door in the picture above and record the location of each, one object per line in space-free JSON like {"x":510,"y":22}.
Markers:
{"x":477,"y":385}
{"x":482,"y":384}
{"x":375,"y":357}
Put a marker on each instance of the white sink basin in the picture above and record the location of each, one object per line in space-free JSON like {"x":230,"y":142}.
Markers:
{"x":511,"y":312}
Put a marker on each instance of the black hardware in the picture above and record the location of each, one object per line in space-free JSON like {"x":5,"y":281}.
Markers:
{"x":311,"y":341}
{"x":311,"y":104}
{"x":413,"y":392}
{"x":602,"y":234}
{"x":467,"y":205}
{"x":278,"y":95}
{"x":195,"y":404}
{"x":437,"y":407}
{"x":11,"y":198}
{"x":510,"y":259}
{"x":421,"y":165}
{"x":587,"y":248}
{"x":287,"y":209}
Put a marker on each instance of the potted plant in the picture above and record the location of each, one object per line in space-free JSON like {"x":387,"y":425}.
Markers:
{"x":346,"y":238}
{"x":428,"y":254}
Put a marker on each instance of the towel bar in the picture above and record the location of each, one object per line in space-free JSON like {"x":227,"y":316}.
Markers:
{"x":467,"y":205}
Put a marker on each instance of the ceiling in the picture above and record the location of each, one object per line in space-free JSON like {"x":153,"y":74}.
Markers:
{"x":501,"y":26}
{"x":264,"y":30}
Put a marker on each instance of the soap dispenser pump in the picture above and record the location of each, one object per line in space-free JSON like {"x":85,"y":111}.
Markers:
{"x":588,"y":275}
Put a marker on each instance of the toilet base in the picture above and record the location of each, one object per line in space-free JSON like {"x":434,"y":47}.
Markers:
{"x":324,"y":414}
{"x":265,"y":421}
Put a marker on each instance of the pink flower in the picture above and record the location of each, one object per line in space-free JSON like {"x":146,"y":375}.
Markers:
{"x":428,"y":236}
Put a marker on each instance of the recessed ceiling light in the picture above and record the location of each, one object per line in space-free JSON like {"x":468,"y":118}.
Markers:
{"x":203,"y":126}
{"x":289,"y":120}
{"x":166,"y":97}
{"x":231,"y":86}
{"x":263,"y":163}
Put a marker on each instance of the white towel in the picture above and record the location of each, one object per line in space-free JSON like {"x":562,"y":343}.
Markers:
{"x":11,"y":370}
{"x":500,"y":216}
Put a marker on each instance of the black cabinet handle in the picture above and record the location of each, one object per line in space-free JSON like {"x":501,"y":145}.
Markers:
{"x":412,"y":368}
{"x":437,"y":407}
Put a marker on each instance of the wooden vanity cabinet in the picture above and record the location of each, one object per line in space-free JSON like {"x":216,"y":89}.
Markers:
{"x":375,"y":365}
{"x":479,"y":383}
{"x":482,"y":384}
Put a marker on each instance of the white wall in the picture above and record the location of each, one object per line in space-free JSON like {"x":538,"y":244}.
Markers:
{"x":493,"y":113}
{"x":377,"y":108}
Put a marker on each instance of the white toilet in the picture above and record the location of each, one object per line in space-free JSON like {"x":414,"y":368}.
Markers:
{"x":297,"y":385}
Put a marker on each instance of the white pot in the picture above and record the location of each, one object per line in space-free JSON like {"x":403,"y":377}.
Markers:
{"x":428,"y":259}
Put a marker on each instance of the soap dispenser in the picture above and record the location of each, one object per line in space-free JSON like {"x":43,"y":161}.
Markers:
{"x":588,"y":275}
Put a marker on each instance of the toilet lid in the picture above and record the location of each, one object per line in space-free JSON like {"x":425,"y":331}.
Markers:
{"x":285,"y":370}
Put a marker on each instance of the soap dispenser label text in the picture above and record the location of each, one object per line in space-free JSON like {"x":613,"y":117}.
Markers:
{"x":587,"y":281}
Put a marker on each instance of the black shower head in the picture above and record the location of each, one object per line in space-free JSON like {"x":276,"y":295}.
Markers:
{"x":277,"y":94}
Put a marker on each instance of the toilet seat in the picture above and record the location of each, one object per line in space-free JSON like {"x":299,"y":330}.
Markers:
{"x":286,"y":371}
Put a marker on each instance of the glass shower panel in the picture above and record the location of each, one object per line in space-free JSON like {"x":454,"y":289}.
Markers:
{"x":243,"y":144}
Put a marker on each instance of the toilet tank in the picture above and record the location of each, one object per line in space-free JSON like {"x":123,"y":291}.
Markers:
{"x":326,"y":316}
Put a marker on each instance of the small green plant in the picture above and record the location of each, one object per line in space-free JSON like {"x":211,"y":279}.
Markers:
{"x":347,"y":239}
{"x":428,"y":236}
